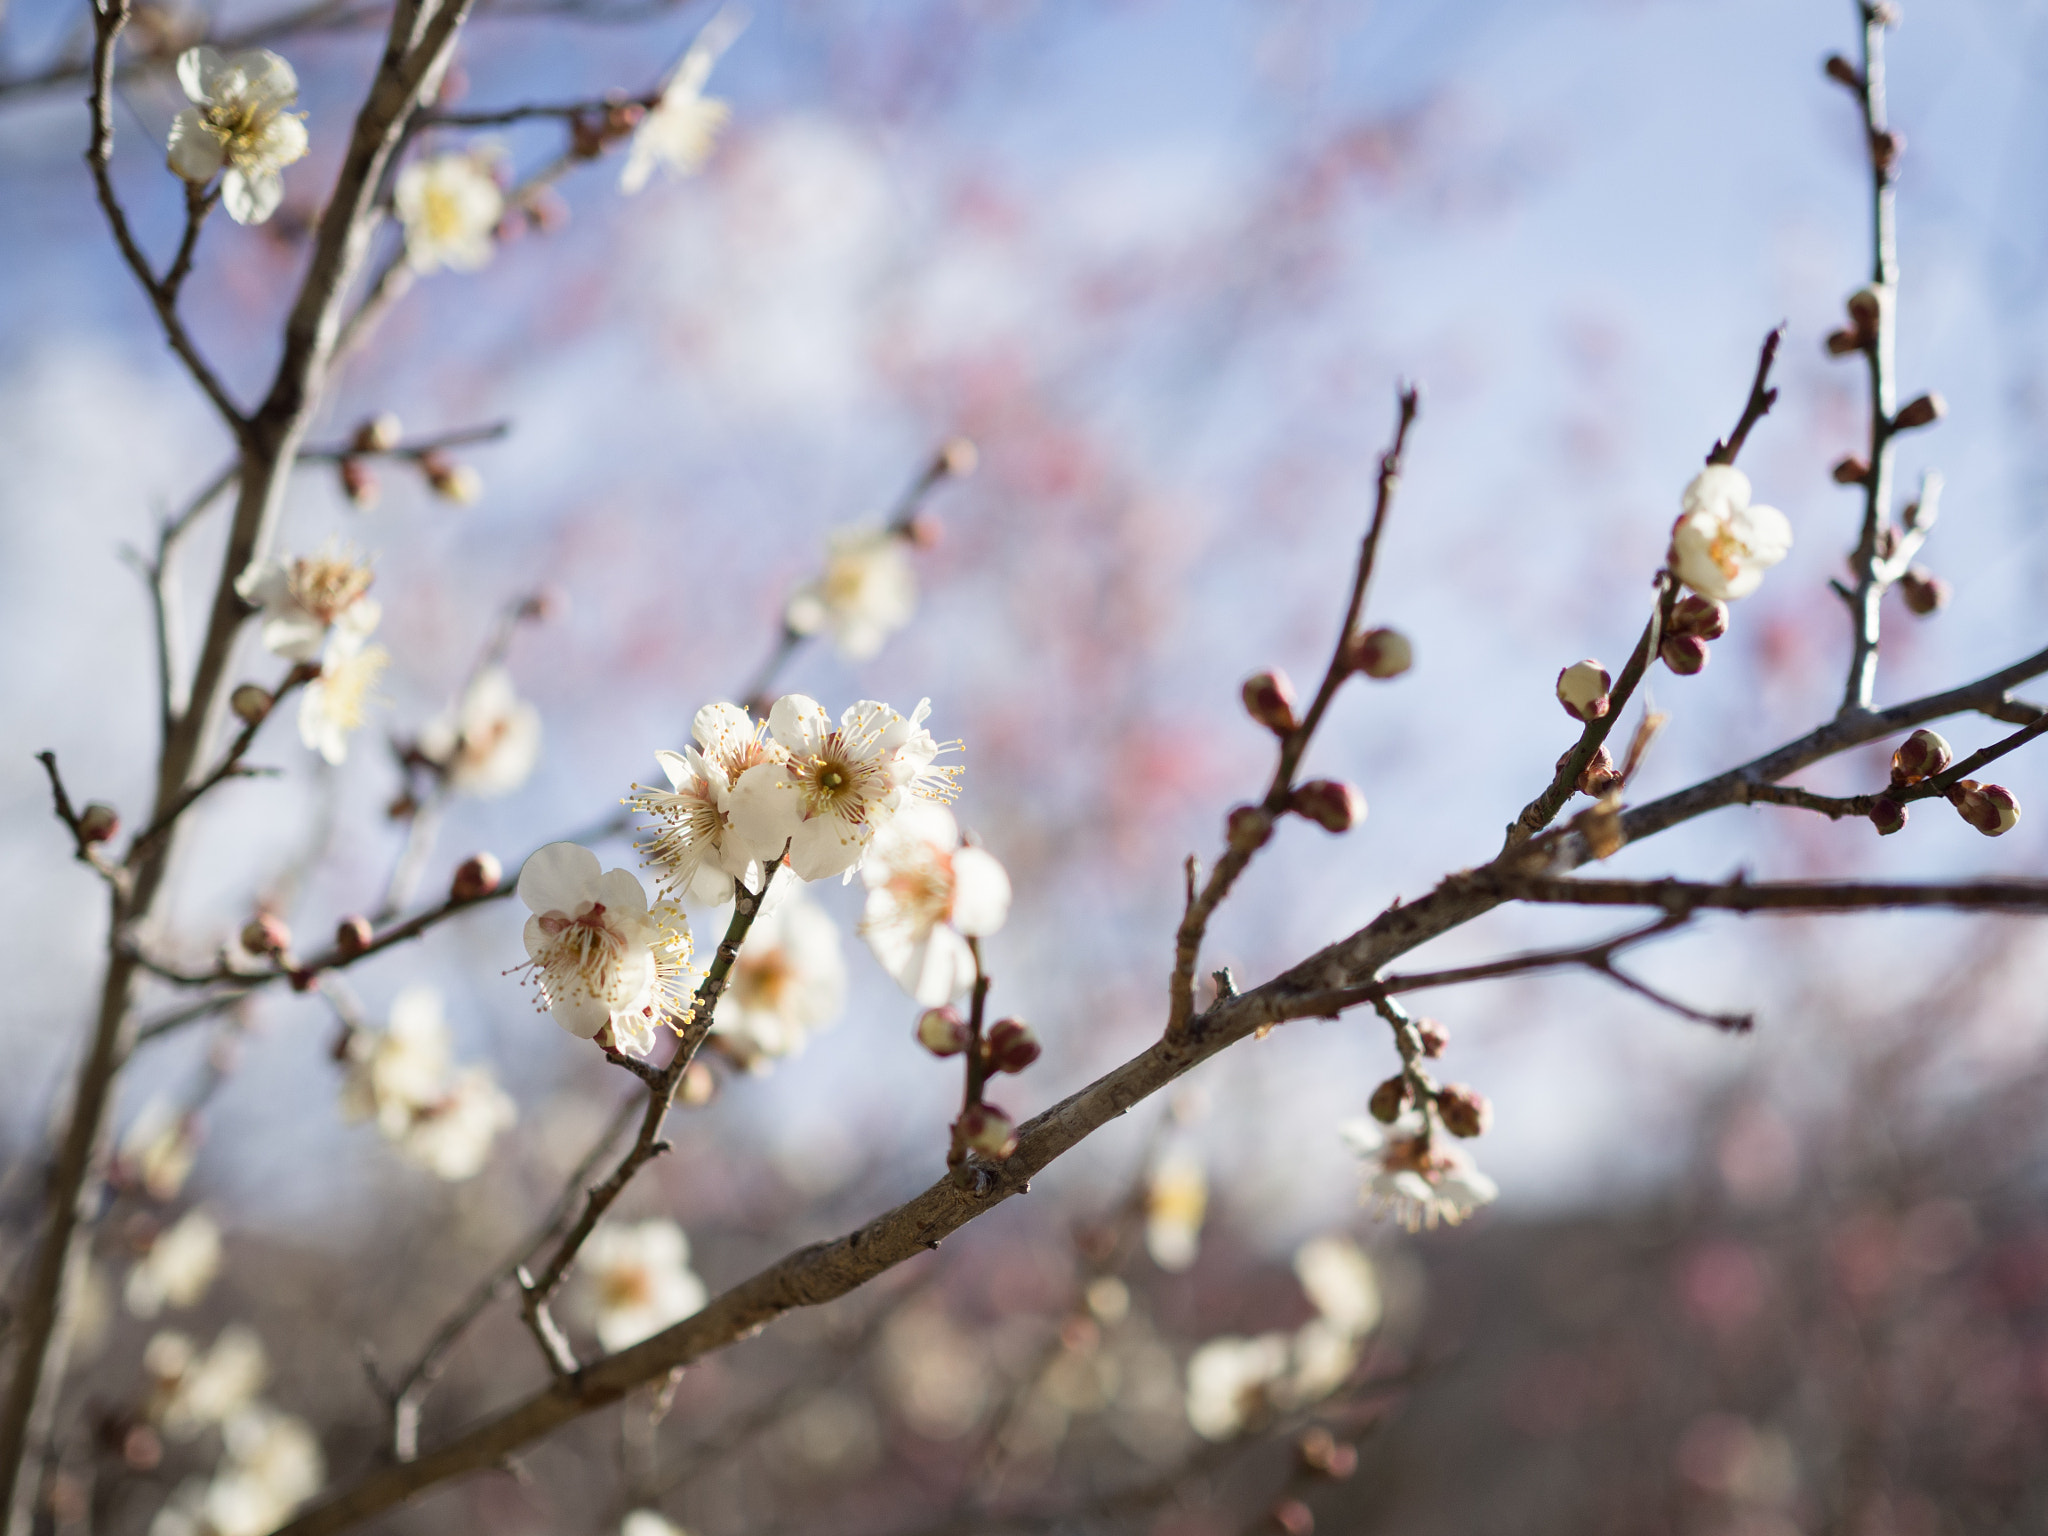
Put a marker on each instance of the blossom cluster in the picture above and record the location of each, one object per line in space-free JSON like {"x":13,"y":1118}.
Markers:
{"x":317,"y":609}
{"x":271,"y":1462}
{"x":402,"y":1079}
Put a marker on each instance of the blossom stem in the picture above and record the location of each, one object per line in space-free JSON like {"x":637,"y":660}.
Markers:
{"x":976,"y":1062}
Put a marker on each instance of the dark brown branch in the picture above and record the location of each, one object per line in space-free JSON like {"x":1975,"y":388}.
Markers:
{"x":414,"y":450}
{"x":566,"y":111}
{"x":1761,"y":398}
{"x":1683,"y":897}
{"x":1837,"y":807}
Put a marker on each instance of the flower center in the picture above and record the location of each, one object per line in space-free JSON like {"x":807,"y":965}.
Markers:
{"x":585,"y":953}
{"x":835,"y":783}
{"x":761,"y":982}
{"x":624,"y":1287}
{"x":327,"y":587}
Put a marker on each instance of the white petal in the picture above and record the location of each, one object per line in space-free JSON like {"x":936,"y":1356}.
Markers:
{"x":195,"y":154}
{"x":581,"y":1015}
{"x":199,"y":70}
{"x":251,"y":196}
{"x":272,"y":82}
{"x":1719,"y":489}
{"x":766,"y":810}
{"x":559,"y":878}
{"x":621,"y":892}
{"x":1766,"y":531}
{"x":799,"y":723}
{"x":981,"y":893}
{"x":677,"y":767}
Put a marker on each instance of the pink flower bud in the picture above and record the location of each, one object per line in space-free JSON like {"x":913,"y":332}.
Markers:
{"x":1381,"y":653}
{"x":1322,"y":1454}
{"x":1923,"y":592}
{"x":987,"y":1130}
{"x":1851,"y":471}
{"x":1888,"y":816}
{"x":1990,"y":808}
{"x":1598,"y":776}
{"x":1685,"y":654}
{"x":1389,"y":1099}
{"x":1269,"y":699}
{"x":250,"y":703}
{"x":476,"y":877}
{"x":924,"y":531}
{"x":359,"y":484}
{"x":959,"y":457}
{"x":1921,"y":756}
{"x":97,"y":822}
{"x":1886,"y":145}
{"x":1435,"y":1038}
{"x":942,"y":1031}
{"x":1582,"y":689}
{"x":1291,"y":1517}
{"x":266,"y":934}
{"x":1924,"y":411}
{"x":1331,"y":805}
{"x":1464,"y":1111}
{"x":352,"y":936}
{"x":1248,"y":828}
{"x":1701,"y":616}
{"x":1011,"y":1046}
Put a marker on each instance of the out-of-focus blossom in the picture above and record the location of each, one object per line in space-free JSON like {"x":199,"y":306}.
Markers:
{"x":451,"y":1137}
{"x":592,"y":944}
{"x":1721,"y":545}
{"x":160,"y":1148}
{"x":449,"y":206}
{"x":395,"y":1073}
{"x":1340,"y":1281}
{"x":927,"y":896}
{"x":305,"y":597}
{"x":238,"y":120}
{"x":487,"y":743}
{"x":866,"y":592}
{"x":273,"y":1465}
{"x":637,"y":1281}
{"x":695,"y":849}
{"x":1418,"y":1178}
{"x":788,"y":982}
{"x":1234,"y":1382}
{"x":178,"y":1268}
{"x":1176,"y":1200}
{"x":680,"y":129}
{"x":336,"y":701}
{"x":647,"y":1522}
{"x":190,"y":1391}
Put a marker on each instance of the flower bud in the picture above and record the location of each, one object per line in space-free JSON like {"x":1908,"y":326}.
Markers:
{"x":586,"y":135}
{"x":1843,"y":72}
{"x":1696,"y":615}
{"x":380,"y":434}
{"x":98,"y":822}
{"x":1851,"y":471}
{"x":1598,"y":776}
{"x":987,"y":1130}
{"x":1248,"y":827}
{"x":452,"y":482}
{"x":250,"y":703}
{"x":1464,"y":1111}
{"x":1269,"y":699}
{"x":1886,"y":145}
{"x":1435,"y":1037}
{"x":1291,"y":1517}
{"x":1331,"y":805}
{"x":352,"y":936}
{"x":476,"y":877}
{"x":1011,"y":1046}
{"x":1990,"y":808}
{"x":266,"y":934}
{"x":1866,"y":310}
{"x":942,"y":1031}
{"x":1322,"y":1454}
{"x":1920,"y":756}
{"x":1922,"y":412}
{"x":1923,"y":592}
{"x":924,"y":531}
{"x":1888,"y":816}
{"x":1843,"y":343}
{"x":1389,"y":1099}
{"x":1582,"y":689}
{"x":1685,"y":654}
{"x":1381,"y":653}
{"x":546,"y":210}
{"x":359,"y":485}
{"x":621,"y":118}
{"x":959,"y":457}
{"x":1885,"y":13}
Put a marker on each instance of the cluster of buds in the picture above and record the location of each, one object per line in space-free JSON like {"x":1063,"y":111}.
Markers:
{"x":1990,"y":808}
{"x":1465,"y":1112}
{"x":476,"y":877}
{"x":1009,"y":1046}
{"x":1599,"y":777}
{"x":1582,"y":688}
{"x":1867,"y":309}
{"x":1695,"y":621}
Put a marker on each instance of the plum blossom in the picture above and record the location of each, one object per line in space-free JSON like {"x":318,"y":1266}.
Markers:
{"x":1234,"y":1382}
{"x":178,"y":1268}
{"x":1721,"y":545}
{"x":681,"y":127}
{"x":1418,"y":1178}
{"x":238,"y":120}
{"x":866,"y":592}
{"x":402,"y":1077}
{"x":1176,"y":1200}
{"x":487,"y":743}
{"x":927,"y":896}
{"x":305,"y":597}
{"x":695,"y":849}
{"x":272,"y":1465}
{"x":788,"y":981}
{"x":190,"y":1391}
{"x":1341,"y":1282}
{"x":637,"y":1281}
{"x":599,"y":956}
{"x":334,"y":703}
{"x":160,"y":1148}
{"x":648,"y":1522}
{"x":451,"y":1138}
{"x":836,"y":787}
{"x":449,"y":206}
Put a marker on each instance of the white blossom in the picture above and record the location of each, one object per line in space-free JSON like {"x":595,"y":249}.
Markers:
{"x":788,"y":981}
{"x":637,"y":1281}
{"x":1233,"y":1382}
{"x":1341,"y":1282}
{"x":394,"y":1073}
{"x":335,"y":703}
{"x":449,"y":206}
{"x":273,"y":1465}
{"x":681,"y":127}
{"x":487,"y":743}
{"x":1176,"y":1200}
{"x":647,"y":1522}
{"x":1419,"y":1177}
{"x":927,"y":896}
{"x":451,"y":1137}
{"x":190,"y":1391}
{"x":160,"y":1148}
{"x":1721,"y":545}
{"x":178,"y":1268}
{"x":238,"y":120}
{"x":866,"y":592}
{"x":695,"y":849}
{"x":305,"y":597}
{"x":598,"y":955}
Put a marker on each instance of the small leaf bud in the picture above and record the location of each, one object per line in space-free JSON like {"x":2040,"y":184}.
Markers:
{"x":1269,"y":699}
{"x":1921,"y":756}
{"x":1685,"y":654}
{"x":98,"y":822}
{"x":1888,"y":816}
{"x":1696,"y":615}
{"x":1464,"y":1111}
{"x":476,"y":877}
{"x":1851,"y":471}
{"x":250,"y":703}
{"x":942,"y":1031}
{"x":1922,"y":412}
{"x":451,"y":481}
{"x":1436,"y":1038}
{"x":1990,"y":808}
{"x":352,"y":936}
{"x":1331,"y":805}
{"x":1248,"y":827}
{"x":1381,"y":653}
{"x":1843,"y":343}
{"x":1582,"y":689}
{"x":266,"y":934}
{"x":1322,"y":1454}
{"x":1011,"y":1046}
{"x":380,"y":434}
{"x":1843,"y":72}
{"x":403,"y":807}
{"x":1923,"y":592}
{"x":1866,"y":310}
{"x":1598,"y":776}
{"x":959,"y":457}
{"x":986,"y":1129}
{"x":1389,"y":1099}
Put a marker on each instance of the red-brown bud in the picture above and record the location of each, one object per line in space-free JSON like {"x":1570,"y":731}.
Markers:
{"x":352,"y":936}
{"x":1435,"y":1038}
{"x":1011,"y":1046}
{"x":1582,"y":689}
{"x":250,"y":703}
{"x":266,"y":934}
{"x":987,"y":1130}
{"x":1464,"y":1111}
{"x":1696,"y":615}
{"x":1866,"y":312}
{"x":1598,"y":776}
{"x":1291,"y":1517}
{"x":1248,"y":828}
{"x":942,"y":1031}
{"x":924,"y":531}
{"x":586,"y":135}
{"x":1886,"y":145}
{"x":1685,"y":654}
{"x":1888,"y":816}
{"x":1389,"y":1099}
{"x":1921,"y":756}
{"x":1922,"y":412}
{"x":1990,"y":808}
{"x":98,"y":822}
{"x":959,"y":457}
{"x":476,"y":877}
{"x":1923,"y":592}
{"x":1844,"y":343}
{"x":1322,"y":1454}
{"x":1843,"y":72}
{"x":1269,"y":699}
{"x":1380,"y":653}
{"x":1331,"y":805}
{"x":1851,"y":471}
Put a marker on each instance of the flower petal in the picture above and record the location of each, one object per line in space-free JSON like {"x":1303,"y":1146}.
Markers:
{"x":981,"y":892}
{"x":199,"y":70}
{"x":559,"y":878}
{"x":195,"y":154}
